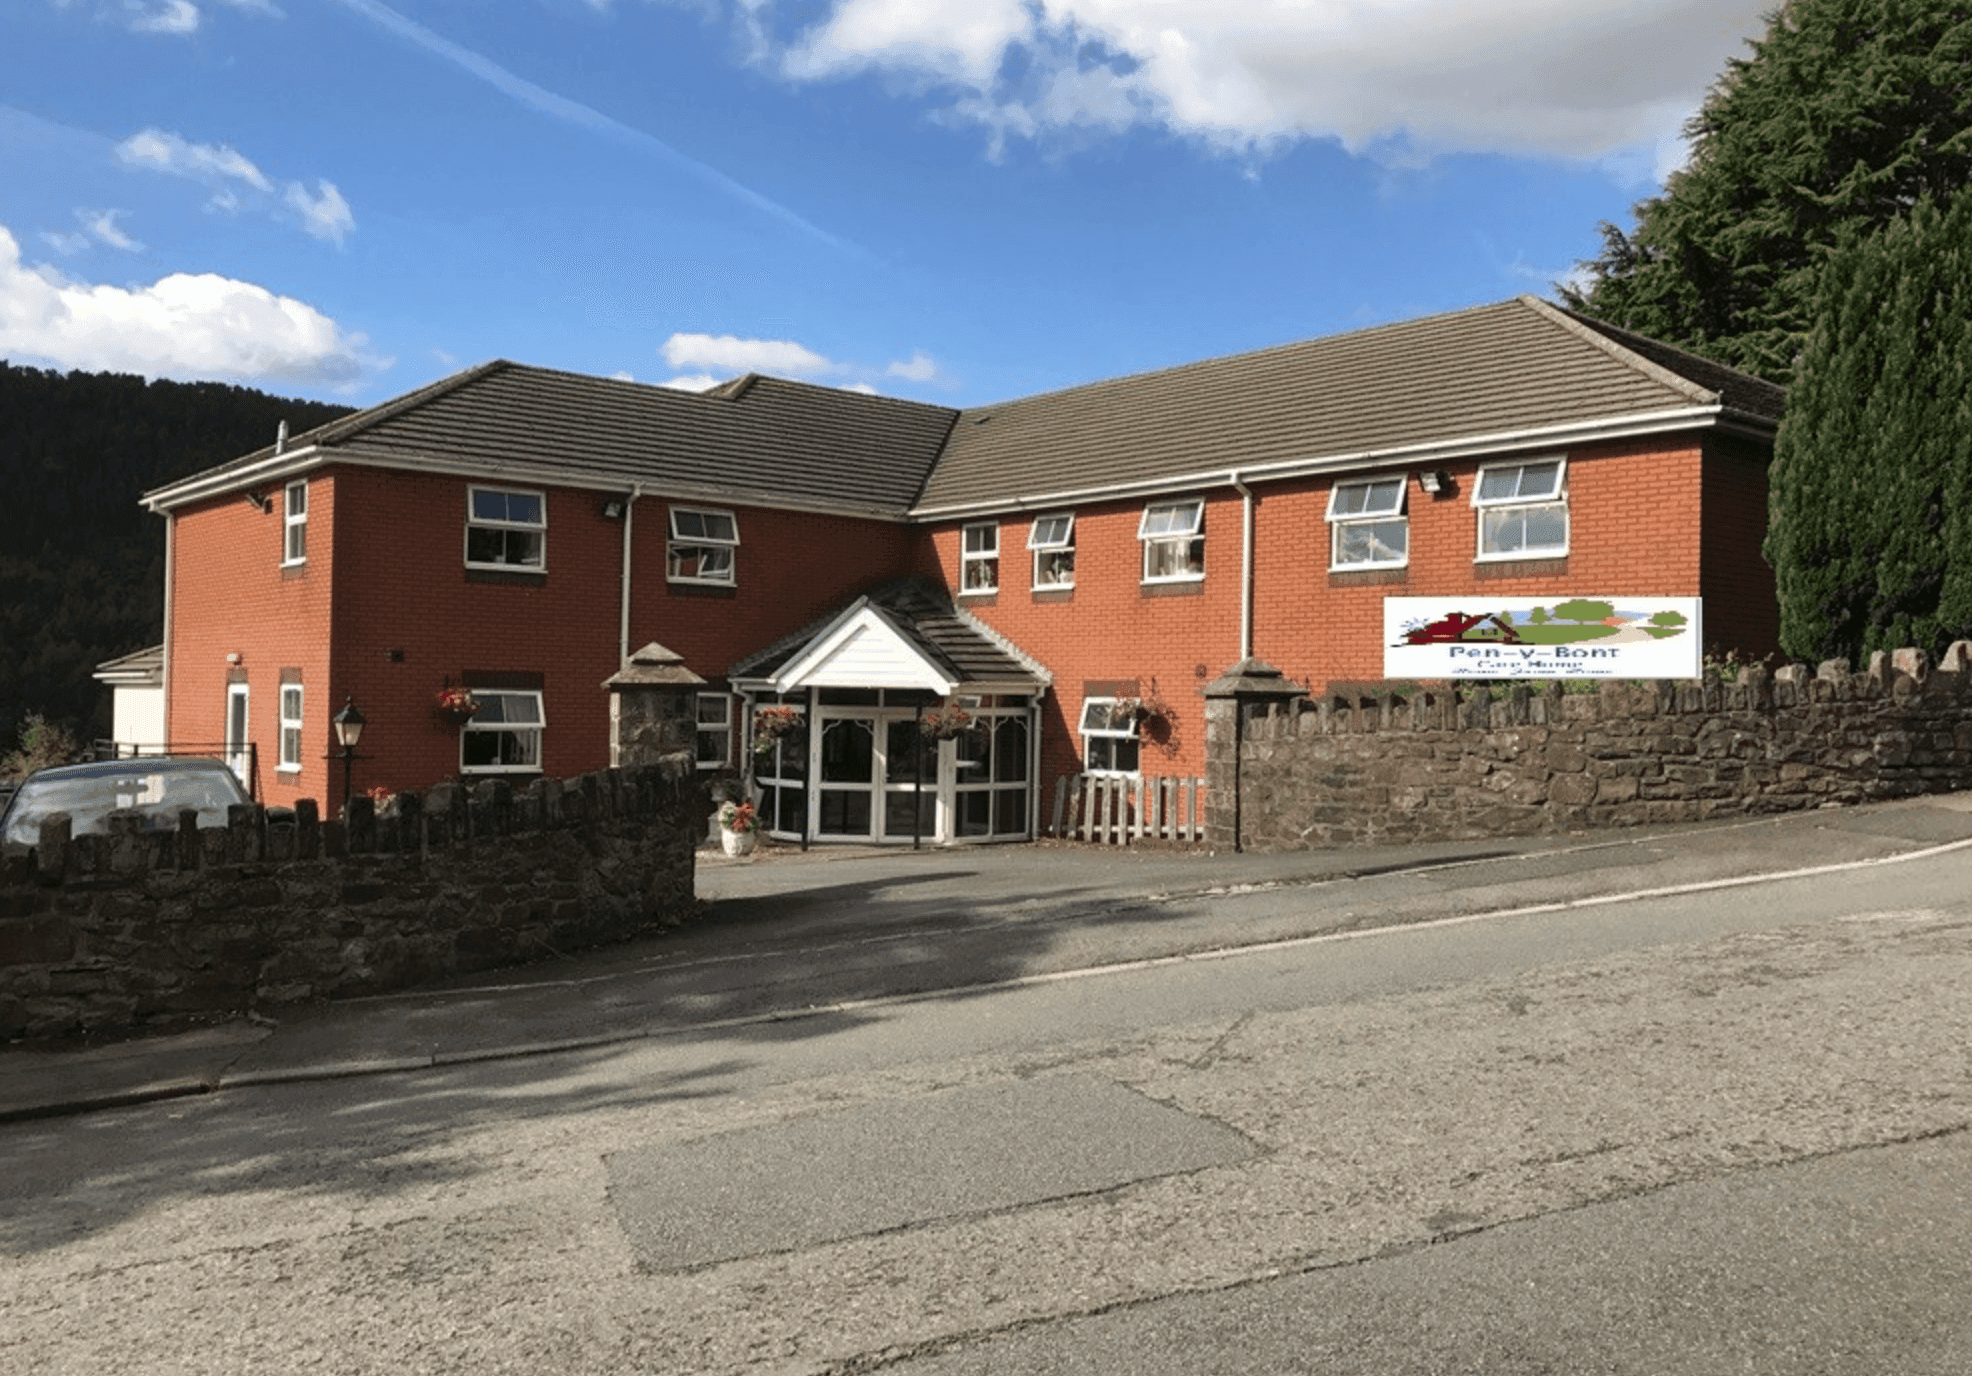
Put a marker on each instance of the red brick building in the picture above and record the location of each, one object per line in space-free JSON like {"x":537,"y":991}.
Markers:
{"x":1068,"y":570}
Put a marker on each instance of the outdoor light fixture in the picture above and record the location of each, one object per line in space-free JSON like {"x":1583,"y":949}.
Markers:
{"x":349,"y":725}
{"x":1434,"y":481}
{"x":613,"y":508}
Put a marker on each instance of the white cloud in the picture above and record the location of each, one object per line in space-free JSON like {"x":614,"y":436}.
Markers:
{"x":184,"y":325}
{"x":102,"y":225}
{"x":173,"y":16}
{"x":919,"y":367}
{"x":165,"y":152}
{"x":70,"y":242}
{"x":730,"y":354}
{"x":1396,"y":79}
{"x":714,"y":358}
{"x":324,"y":214}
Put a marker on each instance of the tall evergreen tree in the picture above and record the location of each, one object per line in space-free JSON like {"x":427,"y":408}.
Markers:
{"x":1870,"y":533}
{"x":1847,"y":113}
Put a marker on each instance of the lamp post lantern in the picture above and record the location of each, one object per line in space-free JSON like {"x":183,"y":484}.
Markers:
{"x":349,"y":730}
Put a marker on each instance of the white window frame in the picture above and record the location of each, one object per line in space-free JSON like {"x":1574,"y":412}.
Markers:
{"x":1554,"y":497}
{"x":696,"y":537}
{"x":293,"y":724}
{"x":1103,"y":736}
{"x":539,"y":528}
{"x":238,"y":732}
{"x":1389,"y":510}
{"x":1052,"y":537}
{"x":294,"y":524}
{"x":707,"y":727}
{"x":1179,"y":526}
{"x":529,"y":734}
{"x":979,"y":566}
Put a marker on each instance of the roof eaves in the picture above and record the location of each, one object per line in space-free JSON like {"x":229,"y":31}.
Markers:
{"x":1455,"y":447}
{"x":254,"y":467}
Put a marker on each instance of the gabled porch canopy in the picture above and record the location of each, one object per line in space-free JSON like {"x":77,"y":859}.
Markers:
{"x":905,"y":636}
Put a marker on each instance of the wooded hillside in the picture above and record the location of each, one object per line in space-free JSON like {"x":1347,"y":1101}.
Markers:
{"x":81,"y":563}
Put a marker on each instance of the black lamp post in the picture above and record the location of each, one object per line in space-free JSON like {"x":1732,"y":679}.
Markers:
{"x":349,"y":730}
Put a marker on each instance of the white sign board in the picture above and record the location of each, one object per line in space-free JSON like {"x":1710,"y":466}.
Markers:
{"x":1542,"y":637}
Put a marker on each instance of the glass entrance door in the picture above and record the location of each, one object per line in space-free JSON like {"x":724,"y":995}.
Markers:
{"x":845,"y":782}
{"x":876,"y":777}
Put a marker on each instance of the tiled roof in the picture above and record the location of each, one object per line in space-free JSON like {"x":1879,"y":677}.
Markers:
{"x":958,"y":642}
{"x":1493,"y":370}
{"x":753,"y":439}
{"x":1489,"y":376}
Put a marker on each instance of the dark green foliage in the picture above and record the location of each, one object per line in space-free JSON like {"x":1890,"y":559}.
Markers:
{"x":81,"y":563}
{"x":1846,"y":114}
{"x":1870,"y":533}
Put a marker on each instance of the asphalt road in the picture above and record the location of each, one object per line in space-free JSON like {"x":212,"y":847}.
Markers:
{"x":1724,"y":1127}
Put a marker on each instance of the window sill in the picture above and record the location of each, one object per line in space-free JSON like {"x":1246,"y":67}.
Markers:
{"x":680,"y":588}
{"x":512,"y":577}
{"x":1055,"y":594}
{"x":287,"y":769}
{"x":1538,"y":566}
{"x":1173,"y":587}
{"x":1356,"y":577}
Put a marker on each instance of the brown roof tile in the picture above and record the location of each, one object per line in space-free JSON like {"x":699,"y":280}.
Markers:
{"x":1514,"y":366}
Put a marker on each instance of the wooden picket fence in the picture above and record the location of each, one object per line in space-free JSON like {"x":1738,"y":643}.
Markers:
{"x":1113,"y":810}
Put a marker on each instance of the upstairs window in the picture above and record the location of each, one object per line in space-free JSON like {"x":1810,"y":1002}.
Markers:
{"x":1109,"y":736}
{"x":294,"y":523}
{"x":979,"y":558}
{"x":1052,"y":538}
{"x":506,"y":529}
{"x":1368,"y":528}
{"x":713,"y":746}
{"x":702,"y":545}
{"x":1173,"y":541}
{"x":1522,"y":509}
{"x":504,"y":735}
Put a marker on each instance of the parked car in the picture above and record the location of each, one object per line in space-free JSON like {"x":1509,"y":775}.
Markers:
{"x":157,"y":789}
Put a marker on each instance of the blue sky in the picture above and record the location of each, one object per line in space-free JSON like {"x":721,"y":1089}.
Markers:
{"x":953,"y":200}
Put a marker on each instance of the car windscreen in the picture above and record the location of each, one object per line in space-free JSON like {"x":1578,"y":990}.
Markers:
{"x":89,"y":800}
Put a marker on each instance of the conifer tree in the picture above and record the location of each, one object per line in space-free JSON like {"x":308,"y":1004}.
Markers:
{"x":1870,"y":531}
{"x":1847,"y":112}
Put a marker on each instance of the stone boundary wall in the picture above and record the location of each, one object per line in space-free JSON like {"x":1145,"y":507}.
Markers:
{"x":145,"y":929}
{"x":1453,"y":765}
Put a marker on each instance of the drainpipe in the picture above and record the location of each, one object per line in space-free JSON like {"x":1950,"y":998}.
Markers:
{"x":1245,"y":566}
{"x":164,"y":671}
{"x":623,"y":618}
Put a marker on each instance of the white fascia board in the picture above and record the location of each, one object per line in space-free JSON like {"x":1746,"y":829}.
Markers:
{"x":273,"y":468}
{"x":1440,"y":451}
{"x":800,"y":671}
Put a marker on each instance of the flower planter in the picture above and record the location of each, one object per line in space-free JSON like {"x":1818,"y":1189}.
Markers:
{"x":738,"y":843}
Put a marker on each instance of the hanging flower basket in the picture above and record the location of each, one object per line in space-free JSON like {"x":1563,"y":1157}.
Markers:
{"x":947,"y":721}
{"x":770,"y":724}
{"x":457,"y":706}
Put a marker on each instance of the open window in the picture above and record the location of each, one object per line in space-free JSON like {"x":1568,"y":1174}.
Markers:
{"x":1173,"y":535}
{"x":1110,"y":744}
{"x":1367,"y":525}
{"x":701,"y":547}
{"x":1052,"y":539}
{"x":1522,"y":509}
